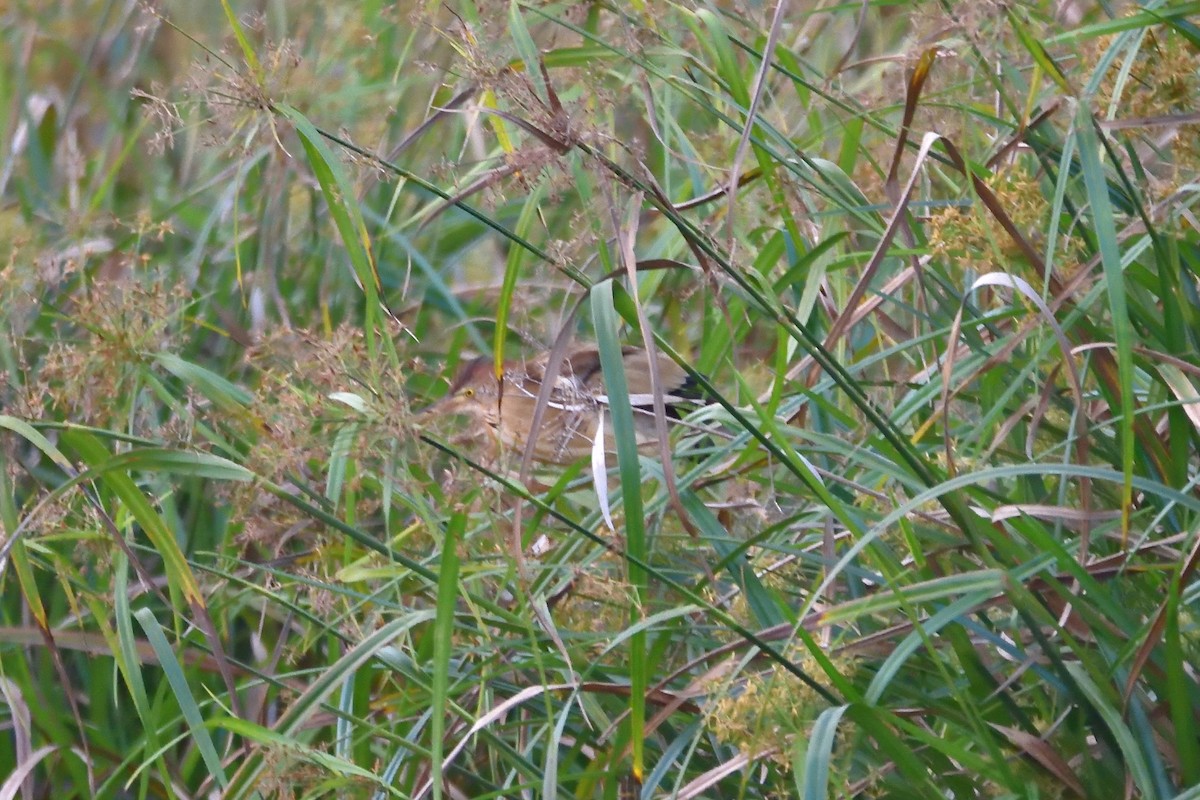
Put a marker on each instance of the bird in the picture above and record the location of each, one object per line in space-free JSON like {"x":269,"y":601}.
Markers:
{"x":503,"y":408}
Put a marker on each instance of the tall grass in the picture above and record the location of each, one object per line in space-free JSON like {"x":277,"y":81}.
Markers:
{"x":931,"y":533}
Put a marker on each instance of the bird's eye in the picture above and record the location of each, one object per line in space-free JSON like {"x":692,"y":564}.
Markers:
{"x":468,"y":392}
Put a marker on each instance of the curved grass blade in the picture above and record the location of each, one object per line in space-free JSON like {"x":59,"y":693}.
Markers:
{"x":173,"y":672}
{"x":812,"y":778}
{"x":347,"y":217}
{"x":245,"y":781}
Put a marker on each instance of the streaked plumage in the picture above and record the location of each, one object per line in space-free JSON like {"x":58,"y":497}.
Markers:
{"x":576,"y":403}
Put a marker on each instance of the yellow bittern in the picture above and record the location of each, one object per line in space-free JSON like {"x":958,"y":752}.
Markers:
{"x":576,"y":408}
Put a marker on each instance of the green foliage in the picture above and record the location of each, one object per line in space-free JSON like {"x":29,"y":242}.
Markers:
{"x":932,"y":531}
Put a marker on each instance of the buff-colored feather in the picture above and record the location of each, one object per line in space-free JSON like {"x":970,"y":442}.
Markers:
{"x":577,"y":403}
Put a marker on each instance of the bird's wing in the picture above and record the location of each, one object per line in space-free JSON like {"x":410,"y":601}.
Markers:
{"x":671,"y":377}
{"x":584,"y":365}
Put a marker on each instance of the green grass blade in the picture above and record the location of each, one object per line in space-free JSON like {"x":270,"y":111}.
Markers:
{"x":605,"y":318}
{"x":1103,"y":703}
{"x":812,"y":780}
{"x":347,"y":215}
{"x":443,"y":638}
{"x":1114,"y":281}
{"x":173,"y":671}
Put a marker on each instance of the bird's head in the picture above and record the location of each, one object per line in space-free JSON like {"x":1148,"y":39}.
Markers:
{"x":475,"y":391}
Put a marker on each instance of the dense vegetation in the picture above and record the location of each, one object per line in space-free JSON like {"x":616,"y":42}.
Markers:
{"x":932,"y":532}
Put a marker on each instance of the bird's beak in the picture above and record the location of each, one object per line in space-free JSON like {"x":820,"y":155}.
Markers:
{"x":447,"y":406}
{"x":434,"y":410}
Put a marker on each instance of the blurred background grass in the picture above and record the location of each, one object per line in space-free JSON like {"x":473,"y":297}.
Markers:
{"x":937,"y":262}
